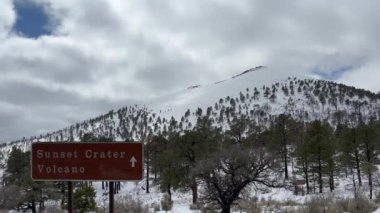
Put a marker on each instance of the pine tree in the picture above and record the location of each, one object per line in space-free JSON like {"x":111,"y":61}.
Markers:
{"x":193,"y":146}
{"x":302,"y":154}
{"x":190,"y":147}
{"x":319,"y":135}
{"x":18,"y":178}
{"x":349,"y":147}
{"x":170,"y":166}
{"x":238,"y":129}
{"x":283,"y":131}
{"x":369,"y":143}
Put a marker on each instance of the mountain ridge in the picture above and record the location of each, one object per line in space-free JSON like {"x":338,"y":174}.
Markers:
{"x":249,"y":93}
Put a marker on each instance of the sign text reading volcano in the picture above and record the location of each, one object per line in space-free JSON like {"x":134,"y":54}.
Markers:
{"x":87,"y":161}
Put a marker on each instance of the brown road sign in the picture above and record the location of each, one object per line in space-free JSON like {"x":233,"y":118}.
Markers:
{"x":87,"y":161}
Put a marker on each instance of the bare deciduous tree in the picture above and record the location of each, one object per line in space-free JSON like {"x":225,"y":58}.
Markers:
{"x":229,"y":171}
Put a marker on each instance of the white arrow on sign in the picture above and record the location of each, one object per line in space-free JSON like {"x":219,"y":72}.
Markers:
{"x":133,"y":161}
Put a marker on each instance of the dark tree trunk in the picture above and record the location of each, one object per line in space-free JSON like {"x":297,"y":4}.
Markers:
{"x":331,"y":180}
{"x":306,"y":172}
{"x":313,"y":175}
{"x":306,"y":169}
{"x":226,"y":208}
{"x":369,"y":161}
{"x":357,"y":160}
{"x":346,"y":171}
{"x":169,"y":192}
{"x":286,"y":161}
{"x":63,"y":193}
{"x":285,"y":149}
{"x":320,"y":180}
{"x":41,"y":206}
{"x":147,"y":175}
{"x":370,"y":184}
{"x":33,"y":207}
{"x":117,"y":184}
{"x":354,"y":182}
{"x":194,"y":189}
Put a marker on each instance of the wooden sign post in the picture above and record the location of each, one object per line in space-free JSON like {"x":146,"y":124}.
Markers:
{"x":117,"y":161}
{"x":70,"y":206}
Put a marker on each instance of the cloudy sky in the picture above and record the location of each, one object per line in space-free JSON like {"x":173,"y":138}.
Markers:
{"x":65,"y":61}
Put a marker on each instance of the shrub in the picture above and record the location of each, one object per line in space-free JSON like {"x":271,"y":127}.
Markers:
{"x":359,"y":204}
{"x":196,"y":206}
{"x":127,"y":204}
{"x":155,"y":207}
{"x":84,"y":199}
{"x":124,"y":204}
{"x":331,"y":205}
{"x":166,"y":203}
{"x":251,"y":205}
{"x":55,"y":209}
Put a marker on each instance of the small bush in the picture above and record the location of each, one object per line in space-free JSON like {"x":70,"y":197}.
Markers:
{"x":166,"y":203}
{"x":377,"y":197}
{"x":208,"y":207}
{"x":205,"y":210}
{"x":360,"y":204}
{"x":127,"y":204}
{"x":84,"y":199}
{"x":55,"y":209}
{"x":155,"y":207}
{"x":196,"y":206}
{"x":251,"y":205}
{"x":317,"y":205}
{"x":331,"y":205}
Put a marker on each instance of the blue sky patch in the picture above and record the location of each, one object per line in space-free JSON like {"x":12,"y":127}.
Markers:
{"x":335,"y":73}
{"x":32,"y":21}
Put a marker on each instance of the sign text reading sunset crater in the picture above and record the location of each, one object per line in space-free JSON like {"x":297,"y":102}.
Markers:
{"x":87,"y":161}
{"x":88,"y":154}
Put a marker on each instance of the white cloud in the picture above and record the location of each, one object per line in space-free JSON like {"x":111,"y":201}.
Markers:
{"x":115,"y":51}
{"x":7,"y":18}
{"x":366,"y":77}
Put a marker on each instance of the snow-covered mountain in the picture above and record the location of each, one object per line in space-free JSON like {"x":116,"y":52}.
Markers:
{"x":257,"y":93}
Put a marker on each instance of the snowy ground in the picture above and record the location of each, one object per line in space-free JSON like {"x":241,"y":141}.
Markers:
{"x":182,"y":201}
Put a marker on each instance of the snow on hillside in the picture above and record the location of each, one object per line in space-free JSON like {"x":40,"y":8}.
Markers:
{"x":258,"y":93}
{"x":253,"y":92}
{"x":203,"y":96}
